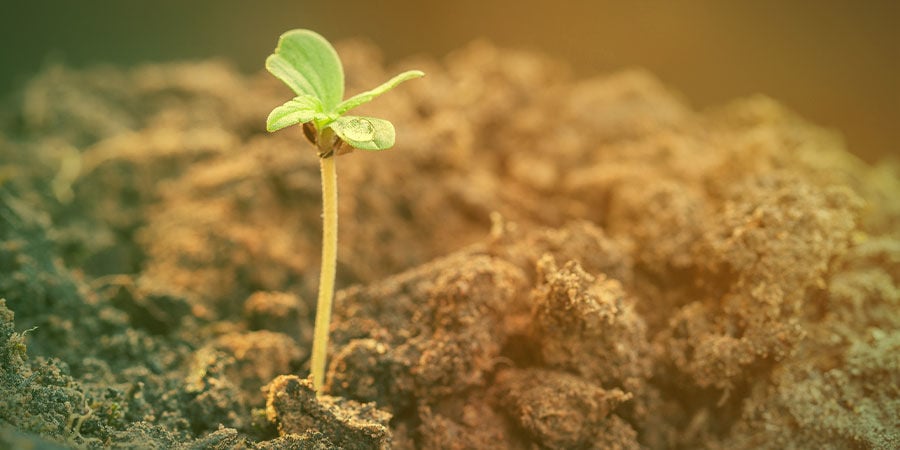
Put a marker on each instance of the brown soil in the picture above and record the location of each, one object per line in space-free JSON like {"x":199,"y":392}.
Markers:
{"x":542,"y":262}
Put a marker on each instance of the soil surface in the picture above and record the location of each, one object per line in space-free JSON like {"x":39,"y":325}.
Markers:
{"x":541,"y":262}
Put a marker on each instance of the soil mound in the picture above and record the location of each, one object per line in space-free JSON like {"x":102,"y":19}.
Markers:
{"x":541,"y":262}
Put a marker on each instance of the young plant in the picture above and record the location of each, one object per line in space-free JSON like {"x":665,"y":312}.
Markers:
{"x":310,"y":66}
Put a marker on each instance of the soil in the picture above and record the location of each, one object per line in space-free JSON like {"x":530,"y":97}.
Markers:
{"x":541,"y":262}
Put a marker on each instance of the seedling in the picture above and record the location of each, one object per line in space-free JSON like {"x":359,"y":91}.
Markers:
{"x":310,"y":66}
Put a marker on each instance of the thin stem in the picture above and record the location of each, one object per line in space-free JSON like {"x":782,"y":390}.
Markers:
{"x":326,"y":276}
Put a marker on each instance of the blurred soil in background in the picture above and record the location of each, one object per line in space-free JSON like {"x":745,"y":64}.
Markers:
{"x":543,"y":261}
{"x":835,"y":62}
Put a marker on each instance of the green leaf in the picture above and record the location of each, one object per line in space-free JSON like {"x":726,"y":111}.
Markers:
{"x":309,"y":65}
{"x":368,"y":96}
{"x":301,"y":109}
{"x":364,"y":133}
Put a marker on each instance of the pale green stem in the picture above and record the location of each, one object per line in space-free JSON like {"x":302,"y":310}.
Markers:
{"x":327,"y":274}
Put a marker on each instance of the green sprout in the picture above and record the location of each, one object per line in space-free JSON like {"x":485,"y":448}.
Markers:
{"x":310,"y":66}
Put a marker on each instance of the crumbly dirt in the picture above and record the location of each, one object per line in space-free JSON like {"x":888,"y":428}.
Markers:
{"x":541,"y":262}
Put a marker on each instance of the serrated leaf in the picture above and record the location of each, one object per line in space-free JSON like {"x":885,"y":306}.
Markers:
{"x":368,"y":96}
{"x":364,"y":133}
{"x":300,"y":109}
{"x":309,"y":65}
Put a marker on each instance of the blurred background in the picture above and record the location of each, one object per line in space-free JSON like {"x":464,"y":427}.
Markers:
{"x":834,"y":62}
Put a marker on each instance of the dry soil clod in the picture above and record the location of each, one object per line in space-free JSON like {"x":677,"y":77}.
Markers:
{"x":293,"y":406}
